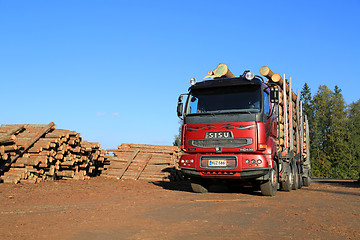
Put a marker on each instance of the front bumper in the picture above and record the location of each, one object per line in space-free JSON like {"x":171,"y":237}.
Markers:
{"x":258,"y":174}
{"x":238,"y":166}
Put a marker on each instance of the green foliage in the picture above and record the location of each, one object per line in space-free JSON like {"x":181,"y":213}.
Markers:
{"x":353,"y":139}
{"x":305,"y":97}
{"x":177,"y":140}
{"x":177,"y":137}
{"x":334,"y":133}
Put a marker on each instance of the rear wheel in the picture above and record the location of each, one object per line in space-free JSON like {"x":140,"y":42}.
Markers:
{"x":288,"y":183}
{"x":295,"y":177}
{"x":269,"y":188}
{"x":306,"y":181}
{"x":300,"y":181}
{"x":199,"y":186}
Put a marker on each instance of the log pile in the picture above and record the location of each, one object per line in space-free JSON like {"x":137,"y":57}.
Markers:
{"x":33,"y":153}
{"x":291,"y":120}
{"x":7,"y":141}
{"x":137,"y":161}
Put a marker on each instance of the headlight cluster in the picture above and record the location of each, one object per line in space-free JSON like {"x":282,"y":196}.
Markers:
{"x":187,"y":162}
{"x":253,"y":162}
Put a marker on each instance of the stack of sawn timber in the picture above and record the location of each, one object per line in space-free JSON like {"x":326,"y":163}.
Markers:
{"x":34,"y":152}
{"x":291,"y":120}
{"x":138,"y":161}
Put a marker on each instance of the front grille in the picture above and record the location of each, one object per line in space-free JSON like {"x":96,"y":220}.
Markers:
{"x":221,"y":143}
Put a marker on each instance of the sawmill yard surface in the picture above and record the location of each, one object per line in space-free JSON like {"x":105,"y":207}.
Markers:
{"x":107,"y":208}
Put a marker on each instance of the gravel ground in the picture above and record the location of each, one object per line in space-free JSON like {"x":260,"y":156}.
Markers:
{"x":114,"y":209}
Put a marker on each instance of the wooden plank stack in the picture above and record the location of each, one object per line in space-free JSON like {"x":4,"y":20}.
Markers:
{"x":33,"y":153}
{"x":291,"y":126}
{"x":138,"y":161}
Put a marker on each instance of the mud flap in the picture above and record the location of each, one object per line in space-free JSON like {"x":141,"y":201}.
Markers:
{"x":264,"y":177}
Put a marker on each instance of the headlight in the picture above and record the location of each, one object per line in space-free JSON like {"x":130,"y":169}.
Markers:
{"x":192,"y":81}
{"x":249,"y":76}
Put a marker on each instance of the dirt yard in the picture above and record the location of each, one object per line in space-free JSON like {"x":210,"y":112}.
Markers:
{"x":113,"y":209}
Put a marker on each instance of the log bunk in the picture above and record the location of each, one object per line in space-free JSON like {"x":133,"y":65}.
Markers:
{"x":292,"y":123}
{"x":32,"y":153}
{"x":139,"y":161}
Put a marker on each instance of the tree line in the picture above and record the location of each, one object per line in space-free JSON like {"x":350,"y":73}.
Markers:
{"x":334,"y":133}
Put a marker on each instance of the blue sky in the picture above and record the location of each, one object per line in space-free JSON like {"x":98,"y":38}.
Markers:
{"x":112,"y":70}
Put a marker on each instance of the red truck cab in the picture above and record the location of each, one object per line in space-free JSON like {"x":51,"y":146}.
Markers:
{"x":229,"y":133}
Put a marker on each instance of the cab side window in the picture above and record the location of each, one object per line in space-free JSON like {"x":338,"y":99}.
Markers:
{"x":266,"y":103}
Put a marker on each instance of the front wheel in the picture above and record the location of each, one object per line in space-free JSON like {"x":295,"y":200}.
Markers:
{"x":269,"y":188}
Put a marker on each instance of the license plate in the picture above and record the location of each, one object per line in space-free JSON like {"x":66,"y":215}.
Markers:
{"x":217,"y":163}
{"x":218,"y":134}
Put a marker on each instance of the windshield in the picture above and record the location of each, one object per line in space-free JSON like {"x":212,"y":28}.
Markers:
{"x":224,"y":100}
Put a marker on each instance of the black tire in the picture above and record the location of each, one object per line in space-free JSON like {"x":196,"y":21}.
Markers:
{"x":288,"y":183}
{"x":199,"y":186}
{"x":300,"y":181}
{"x":306,"y":181}
{"x":233,"y":187}
{"x":255,"y":186}
{"x":295,"y":177}
{"x":269,"y":188}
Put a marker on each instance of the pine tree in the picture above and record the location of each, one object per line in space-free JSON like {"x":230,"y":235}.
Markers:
{"x":320,"y":131}
{"x":305,"y":97}
{"x":337,"y":135}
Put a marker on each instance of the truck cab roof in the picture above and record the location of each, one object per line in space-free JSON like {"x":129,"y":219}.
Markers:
{"x":226,"y":82}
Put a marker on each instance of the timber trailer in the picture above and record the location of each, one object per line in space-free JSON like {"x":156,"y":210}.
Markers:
{"x":244,"y":131}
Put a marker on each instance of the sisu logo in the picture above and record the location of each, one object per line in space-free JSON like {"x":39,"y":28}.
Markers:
{"x":219,"y":134}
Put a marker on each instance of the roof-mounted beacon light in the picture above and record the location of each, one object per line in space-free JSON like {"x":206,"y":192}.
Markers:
{"x":192,"y":81}
{"x":249,"y":75}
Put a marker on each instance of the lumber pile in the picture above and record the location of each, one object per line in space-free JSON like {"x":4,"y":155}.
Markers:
{"x":291,"y":120}
{"x":138,"y":161}
{"x":33,"y":153}
{"x":7,"y":141}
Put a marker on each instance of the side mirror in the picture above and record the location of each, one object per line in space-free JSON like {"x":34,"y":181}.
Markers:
{"x":179,"y":109}
{"x":180,"y":105}
{"x":274,"y":95}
